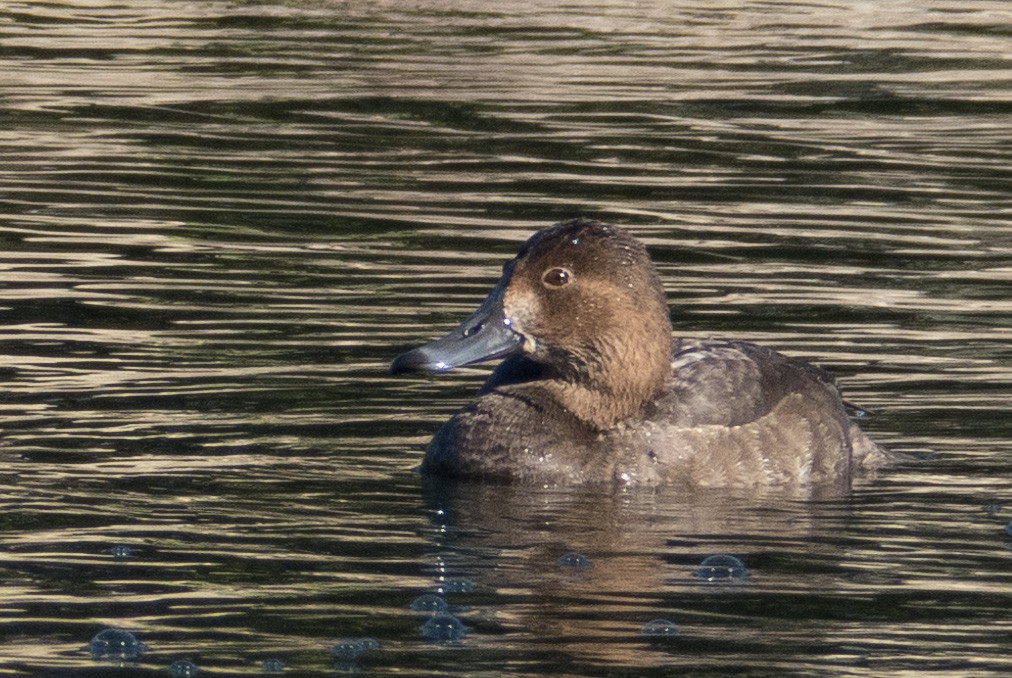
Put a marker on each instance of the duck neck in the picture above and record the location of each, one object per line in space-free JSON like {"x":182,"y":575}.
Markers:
{"x":617,"y":379}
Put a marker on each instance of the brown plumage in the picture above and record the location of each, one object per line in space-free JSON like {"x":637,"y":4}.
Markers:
{"x":594,"y":388}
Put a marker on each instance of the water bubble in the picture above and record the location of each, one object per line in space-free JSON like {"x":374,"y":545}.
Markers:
{"x":574,"y":561}
{"x":721,"y":568}
{"x":122,"y":551}
{"x":992,"y":508}
{"x":273,"y":665}
{"x":350,"y":649}
{"x":429,"y":603}
{"x":115,"y":644}
{"x":455,"y":585}
{"x":347,"y":650}
{"x":660,"y":628}
{"x":183,"y":668}
{"x":443,"y":628}
{"x":340,"y":668}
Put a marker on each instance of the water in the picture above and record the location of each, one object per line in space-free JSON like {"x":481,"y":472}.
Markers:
{"x":219,"y":222}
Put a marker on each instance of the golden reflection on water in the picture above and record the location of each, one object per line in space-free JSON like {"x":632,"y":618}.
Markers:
{"x":221,"y":222}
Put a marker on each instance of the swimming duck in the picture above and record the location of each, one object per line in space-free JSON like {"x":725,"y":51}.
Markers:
{"x":594,"y":388}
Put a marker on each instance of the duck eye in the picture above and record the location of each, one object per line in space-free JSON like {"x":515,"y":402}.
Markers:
{"x":557,"y":277}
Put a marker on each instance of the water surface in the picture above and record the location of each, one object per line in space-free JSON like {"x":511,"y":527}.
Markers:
{"x":219,"y":222}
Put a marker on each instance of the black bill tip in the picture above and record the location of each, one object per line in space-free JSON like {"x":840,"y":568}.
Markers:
{"x":416,"y":360}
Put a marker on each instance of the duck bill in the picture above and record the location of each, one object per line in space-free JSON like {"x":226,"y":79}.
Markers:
{"x":485,"y":335}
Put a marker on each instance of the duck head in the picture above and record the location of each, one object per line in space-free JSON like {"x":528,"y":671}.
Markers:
{"x":583,"y":301}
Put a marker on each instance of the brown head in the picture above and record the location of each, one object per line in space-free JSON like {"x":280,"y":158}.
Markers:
{"x":583,"y":300}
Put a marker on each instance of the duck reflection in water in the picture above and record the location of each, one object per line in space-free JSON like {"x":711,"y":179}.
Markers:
{"x":640,"y":550}
{"x":594,"y":388}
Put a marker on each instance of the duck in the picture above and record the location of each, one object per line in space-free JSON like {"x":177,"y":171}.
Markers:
{"x":593,"y":386}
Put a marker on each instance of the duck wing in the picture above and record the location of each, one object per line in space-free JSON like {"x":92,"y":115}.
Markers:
{"x":733,"y":383}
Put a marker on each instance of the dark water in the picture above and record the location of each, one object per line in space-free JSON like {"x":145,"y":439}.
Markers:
{"x":220,"y":221}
